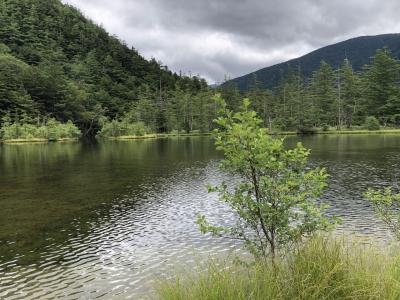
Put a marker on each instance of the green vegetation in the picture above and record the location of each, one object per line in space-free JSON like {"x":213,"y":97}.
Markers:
{"x":28,"y":129}
{"x":371,"y":123}
{"x":340,"y":98}
{"x":119,"y":129}
{"x":320,"y":269}
{"x":275,"y":196}
{"x":56,"y":63}
{"x":361,"y":131}
{"x":386,"y":204}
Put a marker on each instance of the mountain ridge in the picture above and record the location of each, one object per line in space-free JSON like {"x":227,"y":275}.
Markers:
{"x":358,"y":50}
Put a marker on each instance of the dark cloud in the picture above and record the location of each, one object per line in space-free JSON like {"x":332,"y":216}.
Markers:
{"x":233,"y":37}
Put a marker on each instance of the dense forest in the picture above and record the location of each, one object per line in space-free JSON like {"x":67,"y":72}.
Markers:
{"x":55,"y":63}
{"x":58,"y":66}
{"x":331,"y":97}
{"x":337,"y":97}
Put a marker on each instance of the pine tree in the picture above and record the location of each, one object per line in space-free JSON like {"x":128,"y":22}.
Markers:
{"x":349,"y":93}
{"x":382,"y":79}
{"x":323,"y":95}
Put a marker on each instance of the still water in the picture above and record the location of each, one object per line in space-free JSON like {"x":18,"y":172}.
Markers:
{"x":104,"y":220}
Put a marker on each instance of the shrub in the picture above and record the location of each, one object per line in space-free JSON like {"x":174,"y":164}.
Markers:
{"x":111,"y":129}
{"x":325,"y":127}
{"x":116,"y":128}
{"x":306,"y":130}
{"x":386,"y":204}
{"x":371,"y":123}
{"x":276,"y":192}
{"x":395,"y":119}
{"x":139,"y":129}
{"x":71,"y":130}
{"x":52,"y":130}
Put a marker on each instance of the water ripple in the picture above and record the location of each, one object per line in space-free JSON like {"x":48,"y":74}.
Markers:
{"x":149,"y":230}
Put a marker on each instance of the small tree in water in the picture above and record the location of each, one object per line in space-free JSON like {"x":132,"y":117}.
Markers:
{"x":386,"y":204}
{"x":275,"y":195}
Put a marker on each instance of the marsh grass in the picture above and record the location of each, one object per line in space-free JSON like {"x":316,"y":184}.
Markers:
{"x":321,"y":269}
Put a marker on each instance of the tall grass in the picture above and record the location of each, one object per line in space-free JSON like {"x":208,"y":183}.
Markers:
{"x":321,"y":269}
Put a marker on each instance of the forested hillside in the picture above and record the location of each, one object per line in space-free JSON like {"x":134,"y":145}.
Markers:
{"x":357,"y":50}
{"x":55,"y":63}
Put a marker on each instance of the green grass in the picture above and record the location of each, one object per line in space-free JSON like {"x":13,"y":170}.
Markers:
{"x":36,"y":140}
{"x":332,"y":131}
{"x":156,"y":135}
{"x":344,"y":131}
{"x":361,"y":131}
{"x":322,"y":269}
{"x":283,"y":133}
{"x":31,"y":140}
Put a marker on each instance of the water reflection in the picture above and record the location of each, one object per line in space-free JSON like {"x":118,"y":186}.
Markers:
{"x":101,"y":220}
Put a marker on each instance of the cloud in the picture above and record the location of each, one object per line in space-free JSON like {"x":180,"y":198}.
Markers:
{"x":235,"y":37}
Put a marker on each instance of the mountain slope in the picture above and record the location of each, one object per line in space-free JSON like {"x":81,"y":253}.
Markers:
{"x":54,"y":62}
{"x":358,"y":50}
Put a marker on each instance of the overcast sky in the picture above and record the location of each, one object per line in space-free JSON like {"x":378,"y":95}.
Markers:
{"x":215,"y":38}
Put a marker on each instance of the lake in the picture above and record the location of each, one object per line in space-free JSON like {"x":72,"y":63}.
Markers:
{"x":103,"y":220}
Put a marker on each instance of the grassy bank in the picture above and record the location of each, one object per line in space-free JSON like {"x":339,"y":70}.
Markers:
{"x":37,"y":140}
{"x":157,"y":135}
{"x":283,"y":133}
{"x":362,"y":131}
{"x":322,"y":269}
{"x":173,"y":135}
{"x":343,"y":131}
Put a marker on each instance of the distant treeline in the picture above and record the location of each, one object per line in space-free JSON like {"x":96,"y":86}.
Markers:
{"x":330,"y":97}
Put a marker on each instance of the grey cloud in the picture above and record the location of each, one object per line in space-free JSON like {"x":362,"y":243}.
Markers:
{"x":233,"y":37}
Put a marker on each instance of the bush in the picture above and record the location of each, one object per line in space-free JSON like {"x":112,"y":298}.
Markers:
{"x":371,"y":123}
{"x":306,"y":130}
{"x":275,"y":193}
{"x":395,"y":119}
{"x":386,"y":204}
{"x":325,"y":127}
{"x":52,"y":130}
{"x":111,"y":129}
{"x":116,"y":128}
{"x":71,"y":130}
{"x":138,"y":129}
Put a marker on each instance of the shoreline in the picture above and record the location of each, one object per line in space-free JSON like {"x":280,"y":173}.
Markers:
{"x":156,"y":136}
{"x":37,"y":141}
{"x":173,"y":135}
{"x":318,"y":132}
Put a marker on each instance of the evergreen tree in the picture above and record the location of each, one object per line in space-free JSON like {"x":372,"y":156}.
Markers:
{"x":323,"y":94}
{"x":349,"y":93}
{"x":381,"y":80}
